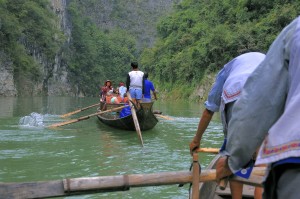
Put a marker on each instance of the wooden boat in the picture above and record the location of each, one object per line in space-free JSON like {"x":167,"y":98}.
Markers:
{"x":146,"y":118}
{"x":210,"y":189}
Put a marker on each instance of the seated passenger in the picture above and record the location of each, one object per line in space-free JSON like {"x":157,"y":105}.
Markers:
{"x":122,"y":89}
{"x":125,"y":98}
{"x":105,"y":89}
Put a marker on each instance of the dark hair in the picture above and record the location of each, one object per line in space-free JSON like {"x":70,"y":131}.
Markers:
{"x":146,"y":75}
{"x":134,"y":65}
{"x":105,"y":84}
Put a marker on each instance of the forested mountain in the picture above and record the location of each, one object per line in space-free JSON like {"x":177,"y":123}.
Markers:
{"x":70,"y":47}
{"x":107,"y":36}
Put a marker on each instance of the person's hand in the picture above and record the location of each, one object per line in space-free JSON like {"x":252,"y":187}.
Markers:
{"x":194,"y":145}
{"x":222,"y":168}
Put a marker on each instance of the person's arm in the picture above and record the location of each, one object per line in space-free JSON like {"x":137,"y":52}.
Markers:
{"x":203,"y":123}
{"x":212,"y":105}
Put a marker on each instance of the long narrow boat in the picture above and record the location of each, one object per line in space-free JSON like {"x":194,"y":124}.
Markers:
{"x":146,"y":118}
{"x":210,"y":189}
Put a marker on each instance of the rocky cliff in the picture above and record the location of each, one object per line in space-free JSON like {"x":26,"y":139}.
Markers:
{"x":7,"y":86}
{"x":53,"y":78}
{"x":137,"y":17}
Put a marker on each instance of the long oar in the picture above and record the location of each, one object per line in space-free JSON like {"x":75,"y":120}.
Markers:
{"x":77,"y":111}
{"x":135,"y":119}
{"x":84,"y":117}
{"x":208,"y":150}
{"x":86,"y":185}
{"x":164,"y":117}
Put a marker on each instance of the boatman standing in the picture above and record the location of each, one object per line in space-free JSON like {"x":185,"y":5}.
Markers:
{"x":225,"y":91}
{"x":268,"y":113}
{"x":135,"y":83}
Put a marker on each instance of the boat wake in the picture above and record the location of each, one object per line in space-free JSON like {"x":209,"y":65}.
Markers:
{"x":32,"y":120}
{"x":36,"y":120}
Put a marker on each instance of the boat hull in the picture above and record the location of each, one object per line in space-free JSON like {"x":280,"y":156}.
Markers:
{"x":146,"y":118}
{"x":210,"y":189}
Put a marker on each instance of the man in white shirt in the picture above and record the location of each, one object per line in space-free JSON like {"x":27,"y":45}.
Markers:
{"x":135,"y":83}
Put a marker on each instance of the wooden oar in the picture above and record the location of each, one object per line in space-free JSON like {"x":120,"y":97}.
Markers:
{"x":86,"y":185}
{"x":135,"y":119}
{"x":84,"y":117}
{"x":163,"y":116}
{"x":208,"y":150}
{"x":77,"y":111}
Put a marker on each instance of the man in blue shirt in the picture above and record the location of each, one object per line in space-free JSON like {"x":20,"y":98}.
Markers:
{"x":148,"y":87}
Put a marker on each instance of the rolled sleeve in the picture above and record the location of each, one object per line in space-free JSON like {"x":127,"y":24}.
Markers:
{"x":214,"y":97}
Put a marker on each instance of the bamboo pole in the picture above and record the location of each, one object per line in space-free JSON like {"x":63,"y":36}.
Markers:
{"x":85,"y":185}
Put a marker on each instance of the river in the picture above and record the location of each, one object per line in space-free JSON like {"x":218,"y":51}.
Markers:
{"x":29,"y":151}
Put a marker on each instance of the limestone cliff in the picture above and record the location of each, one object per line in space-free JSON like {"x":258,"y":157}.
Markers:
{"x":54,"y":77}
{"x":7,"y":86}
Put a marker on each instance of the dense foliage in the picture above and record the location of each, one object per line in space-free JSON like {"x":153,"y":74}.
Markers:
{"x":96,"y":55}
{"x":108,"y":35}
{"x":28,"y":26}
{"x":199,"y":37}
{"x":196,"y":39}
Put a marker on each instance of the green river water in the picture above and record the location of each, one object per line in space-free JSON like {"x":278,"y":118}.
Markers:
{"x":29,"y":151}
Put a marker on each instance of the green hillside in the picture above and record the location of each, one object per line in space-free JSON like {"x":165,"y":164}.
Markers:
{"x":199,"y":37}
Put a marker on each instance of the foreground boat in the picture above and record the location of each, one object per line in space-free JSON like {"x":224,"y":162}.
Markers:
{"x":98,"y":184}
{"x":210,"y":189}
{"x":146,"y":118}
